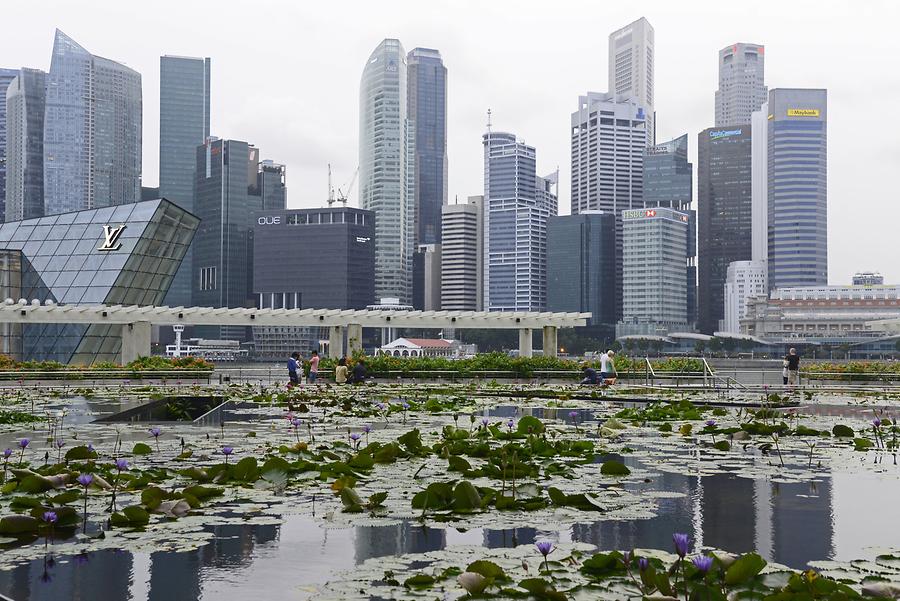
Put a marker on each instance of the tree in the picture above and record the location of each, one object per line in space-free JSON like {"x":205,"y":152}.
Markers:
{"x":700,"y":346}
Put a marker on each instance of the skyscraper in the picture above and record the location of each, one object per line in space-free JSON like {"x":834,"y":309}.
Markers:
{"x":183,"y":126}
{"x":426,"y":292}
{"x":631,"y":68}
{"x":668,"y":179}
{"x":517,"y":204}
{"x":742,"y":88}
{"x":759,"y":172}
{"x":581,"y":265}
{"x":723,"y":215}
{"x":92,"y":131}
{"x":386,"y":180}
{"x":797,"y":187}
{"x":6,"y":78}
{"x":272,"y":182}
{"x":227,"y":194}
{"x":609,"y":135}
{"x":427,"y":110}
{"x":462,"y":249}
{"x":24,"y":102}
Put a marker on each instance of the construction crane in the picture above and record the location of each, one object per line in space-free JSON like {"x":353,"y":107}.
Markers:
{"x":341,"y":196}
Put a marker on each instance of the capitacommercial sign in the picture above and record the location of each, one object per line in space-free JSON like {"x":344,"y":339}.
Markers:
{"x":111,"y":237}
{"x":724,"y":133}
{"x":803,"y":112}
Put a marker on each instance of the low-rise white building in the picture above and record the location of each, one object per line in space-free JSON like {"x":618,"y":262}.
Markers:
{"x":744,"y":280}
{"x":421,"y":347}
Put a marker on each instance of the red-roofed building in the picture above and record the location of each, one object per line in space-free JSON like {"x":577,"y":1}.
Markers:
{"x":420,"y":347}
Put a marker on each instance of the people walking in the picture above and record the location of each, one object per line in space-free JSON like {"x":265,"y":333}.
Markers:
{"x":341,"y":372}
{"x":293,"y":366}
{"x":793,"y":360}
{"x":313,"y":368}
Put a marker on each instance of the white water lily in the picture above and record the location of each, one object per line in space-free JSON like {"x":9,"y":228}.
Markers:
{"x":473,"y":582}
{"x":882,"y":590}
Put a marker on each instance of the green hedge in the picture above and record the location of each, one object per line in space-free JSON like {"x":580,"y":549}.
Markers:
{"x":141,"y":364}
{"x":853,"y":368}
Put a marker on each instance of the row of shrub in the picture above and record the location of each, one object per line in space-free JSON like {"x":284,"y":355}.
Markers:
{"x":154,"y":363}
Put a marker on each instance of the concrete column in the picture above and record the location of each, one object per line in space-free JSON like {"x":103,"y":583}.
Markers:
{"x":354,"y":338}
{"x":525,"y":342}
{"x":550,"y":345}
{"x":135,"y":341}
{"x":336,"y":342}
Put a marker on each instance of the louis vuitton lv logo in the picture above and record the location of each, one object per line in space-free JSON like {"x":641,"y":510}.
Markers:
{"x":112,"y":235}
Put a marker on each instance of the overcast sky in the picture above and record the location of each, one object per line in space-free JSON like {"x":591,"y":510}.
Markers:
{"x":285,"y":77}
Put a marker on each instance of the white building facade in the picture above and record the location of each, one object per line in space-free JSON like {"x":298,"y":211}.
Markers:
{"x":631,"y":58}
{"x":462,"y":251}
{"x":745,"y":280}
{"x":742,"y":88}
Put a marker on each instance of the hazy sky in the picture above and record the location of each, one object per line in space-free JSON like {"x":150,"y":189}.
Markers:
{"x":285,"y":77}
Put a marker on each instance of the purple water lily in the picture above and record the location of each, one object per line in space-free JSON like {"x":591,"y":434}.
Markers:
{"x":485,"y":421}
{"x":545,"y":547}
{"x":876,"y":422}
{"x":643,"y":564}
{"x":85,"y":480}
{"x":511,"y":425}
{"x":7,"y":453}
{"x":155,"y":432}
{"x":24,"y":443}
{"x":711,"y":423}
{"x":682,"y":543}
{"x":121,"y":464}
{"x":355,"y":436}
{"x":50,"y":517}
{"x":367,"y":428}
{"x":702,"y":563}
{"x":227,"y":451}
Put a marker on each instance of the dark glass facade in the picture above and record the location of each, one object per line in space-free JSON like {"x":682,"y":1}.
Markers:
{"x":427,"y":110}
{"x":183,"y":125}
{"x":25,"y":103}
{"x":123,"y":255}
{"x":723,"y":215}
{"x":6,"y":78}
{"x":581,"y":265}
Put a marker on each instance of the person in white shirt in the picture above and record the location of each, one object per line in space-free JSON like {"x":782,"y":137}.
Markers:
{"x":607,"y":368}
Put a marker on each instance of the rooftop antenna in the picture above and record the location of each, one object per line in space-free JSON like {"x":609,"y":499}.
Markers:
{"x":330,"y":188}
{"x":489,"y":121}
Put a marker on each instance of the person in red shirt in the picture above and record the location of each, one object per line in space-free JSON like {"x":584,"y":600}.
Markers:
{"x":313,"y":368}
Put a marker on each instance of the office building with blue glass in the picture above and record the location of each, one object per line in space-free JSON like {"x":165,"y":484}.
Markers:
{"x":24,"y":101}
{"x":6,"y":78}
{"x":125,"y":255}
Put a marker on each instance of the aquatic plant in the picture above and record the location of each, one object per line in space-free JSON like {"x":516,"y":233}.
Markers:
{"x":155,"y":432}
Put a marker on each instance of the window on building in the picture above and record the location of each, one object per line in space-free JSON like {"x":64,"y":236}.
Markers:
{"x":208,"y":278}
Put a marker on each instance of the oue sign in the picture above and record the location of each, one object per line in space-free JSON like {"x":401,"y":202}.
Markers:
{"x":270,"y":220}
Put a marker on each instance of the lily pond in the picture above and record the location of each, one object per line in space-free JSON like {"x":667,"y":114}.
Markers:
{"x":437,"y":491}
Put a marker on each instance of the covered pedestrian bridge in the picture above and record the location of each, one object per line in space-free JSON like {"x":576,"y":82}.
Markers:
{"x":136,"y":321}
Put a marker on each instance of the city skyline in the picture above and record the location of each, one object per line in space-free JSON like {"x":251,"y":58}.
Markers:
{"x":798,"y":52}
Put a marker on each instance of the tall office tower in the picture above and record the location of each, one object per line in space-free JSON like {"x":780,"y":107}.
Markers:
{"x":668,"y":179}
{"x":742,"y":87}
{"x":227,"y":193}
{"x":183,"y":126}
{"x":426,"y":292}
{"x":744,"y":280}
{"x":386,"y":183}
{"x":462,"y":249}
{"x":517,"y":204}
{"x":427,"y":110}
{"x":655,"y":290}
{"x":6,"y":77}
{"x":92,"y":131}
{"x":798,"y":188}
{"x":272,"y":182}
{"x":759,"y":174}
{"x":24,"y":103}
{"x":631,"y":68}
{"x":581,"y":265}
{"x":723,"y":215}
{"x":609,"y":134}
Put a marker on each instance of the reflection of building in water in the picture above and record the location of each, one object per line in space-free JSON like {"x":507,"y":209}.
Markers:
{"x":495,"y":539}
{"x":803,"y":525}
{"x":107,"y":575}
{"x":406,"y":537}
{"x":728,"y":513}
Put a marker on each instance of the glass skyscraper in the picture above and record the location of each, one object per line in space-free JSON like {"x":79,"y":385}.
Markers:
{"x":427,"y":110}
{"x":517,"y":205}
{"x":92,"y":131}
{"x":797,"y":187}
{"x":24,"y":101}
{"x":6,"y":78}
{"x":724,"y":208}
{"x":183,"y":126}
{"x":386,"y":167}
{"x":742,"y":87}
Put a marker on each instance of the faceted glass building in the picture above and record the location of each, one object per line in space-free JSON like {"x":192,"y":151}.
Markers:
{"x":125,"y":255}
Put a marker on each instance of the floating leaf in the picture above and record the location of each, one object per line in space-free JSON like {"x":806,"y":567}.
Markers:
{"x":80,"y":453}
{"x":141,"y":448}
{"x":744,"y":568}
{"x":614,"y":468}
{"x":18,"y":524}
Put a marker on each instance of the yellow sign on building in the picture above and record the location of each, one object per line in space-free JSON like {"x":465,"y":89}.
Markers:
{"x":803,"y":112}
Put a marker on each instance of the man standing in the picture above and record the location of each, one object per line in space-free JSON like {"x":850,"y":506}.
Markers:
{"x":793,"y":360}
{"x":313,"y":367}
{"x":607,"y":368}
{"x":292,"y":366}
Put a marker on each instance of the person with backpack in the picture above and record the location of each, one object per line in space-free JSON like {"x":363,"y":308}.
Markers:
{"x":293,"y":366}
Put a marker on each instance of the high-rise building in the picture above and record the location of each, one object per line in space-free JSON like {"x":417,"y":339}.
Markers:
{"x":427,"y":110}
{"x":759,"y":174}
{"x":6,"y":78}
{"x":797,"y":187}
{"x":868,"y":278}
{"x":581,"y":265}
{"x":24,"y":102}
{"x":331,"y":253}
{"x":609,"y":135}
{"x":742,"y":87}
{"x":271,"y":180}
{"x":426,"y":293}
{"x":631,"y":57}
{"x":386,"y":176}
{"x":517,"y":204}
{"x":228,"y":192}
{"x":723,"y":215}
{"x":92,"y":131}
{"x":654,"y":286}
{"x":668,"y":182}
{"x":744,"y":280}
{"x":183,"y":126}
{"x":462,"y":249}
